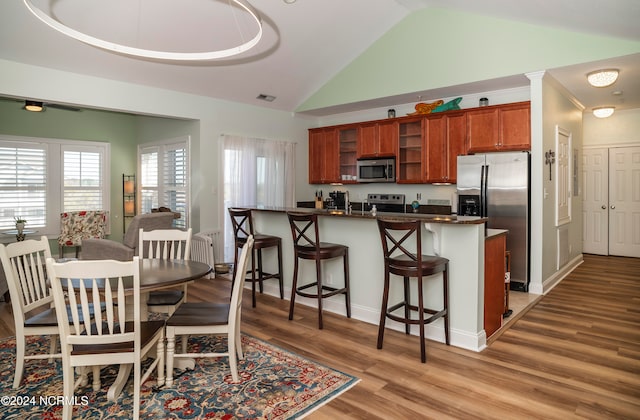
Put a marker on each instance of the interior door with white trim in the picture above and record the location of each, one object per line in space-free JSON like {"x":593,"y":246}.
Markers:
{"x":624,"y":201}
{"x":595,"y":206}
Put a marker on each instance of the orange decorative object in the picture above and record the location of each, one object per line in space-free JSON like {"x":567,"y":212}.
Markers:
{"x":425,"y":108}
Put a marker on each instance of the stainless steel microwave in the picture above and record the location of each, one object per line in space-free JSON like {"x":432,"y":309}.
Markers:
{"x":377,"y":170}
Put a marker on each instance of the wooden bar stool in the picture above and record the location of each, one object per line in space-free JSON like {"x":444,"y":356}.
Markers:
{"x":243,"y":228}
{"x":307,"y":246}
{"x":396,"y":239}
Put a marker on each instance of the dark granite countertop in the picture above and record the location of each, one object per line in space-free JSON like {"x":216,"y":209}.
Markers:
{"x":430,"y":218}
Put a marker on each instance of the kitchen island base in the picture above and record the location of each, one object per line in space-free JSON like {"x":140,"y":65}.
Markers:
{"x":460,"y":240}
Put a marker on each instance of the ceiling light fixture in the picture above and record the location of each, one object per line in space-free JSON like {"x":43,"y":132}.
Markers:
{"x":602,"y":78}
{"x":33,"y":106}
{"x":603,"y":111}
{"x":141,"y":52}
{"x":268,"y":98}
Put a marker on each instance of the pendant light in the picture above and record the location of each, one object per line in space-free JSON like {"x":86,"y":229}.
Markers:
{"x":154,"y":54}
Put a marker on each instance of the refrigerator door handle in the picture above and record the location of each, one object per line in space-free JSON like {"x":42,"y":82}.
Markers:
{"x":484,"y":182}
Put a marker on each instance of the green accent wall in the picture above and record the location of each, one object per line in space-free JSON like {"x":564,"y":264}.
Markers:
{"x":89,"y":125}
{"x":435,"y":48}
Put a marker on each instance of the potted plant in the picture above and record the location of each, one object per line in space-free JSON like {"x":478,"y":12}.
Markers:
{"x":20,"y":222}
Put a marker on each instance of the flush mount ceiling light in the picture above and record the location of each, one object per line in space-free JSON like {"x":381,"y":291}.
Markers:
{"x":602,"y":78}
{"x":604,"y":111}
{"x":155,"y":54}
{"x":33,"y":106}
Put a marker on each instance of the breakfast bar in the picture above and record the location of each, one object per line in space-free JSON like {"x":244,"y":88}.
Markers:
{"x":461,"y":239}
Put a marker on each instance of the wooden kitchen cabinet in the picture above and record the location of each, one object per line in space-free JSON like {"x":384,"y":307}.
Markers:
{"x":378,"y":139}
{"x":499,"y":128}
{"x":446,"y":139}
{"x":515,"y":126}
{"x":323,"y":156}
{"x":410,"y":162}
{"x":495,"y":248}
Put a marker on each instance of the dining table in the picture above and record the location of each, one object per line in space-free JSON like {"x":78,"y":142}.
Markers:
{"x":157,"y":274}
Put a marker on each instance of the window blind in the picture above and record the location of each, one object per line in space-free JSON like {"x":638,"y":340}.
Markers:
{"x":23,"y":185}
{"x":164,"y":178}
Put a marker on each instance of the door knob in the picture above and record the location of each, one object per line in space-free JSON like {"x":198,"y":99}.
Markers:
{"x":613,"y":207}
{"x":604,"y":207}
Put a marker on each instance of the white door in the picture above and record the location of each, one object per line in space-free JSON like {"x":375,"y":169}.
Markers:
{"x":624,"y":201}
{"x":595,"y":207}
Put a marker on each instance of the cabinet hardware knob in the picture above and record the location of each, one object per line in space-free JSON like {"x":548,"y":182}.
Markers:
{"x":604,"y":207}
{"x":613,"y":207}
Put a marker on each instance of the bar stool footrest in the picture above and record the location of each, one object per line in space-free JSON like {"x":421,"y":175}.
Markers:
{"x":332,"y":291}
{"x":435,"y":315}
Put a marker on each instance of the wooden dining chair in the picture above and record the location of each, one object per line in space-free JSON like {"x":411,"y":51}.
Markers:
{"x":103,"y":338}
{"x":165,"y":244}
{"x":24,"y":267}
{"x":211,"y":319}
{"x":32,"y":301}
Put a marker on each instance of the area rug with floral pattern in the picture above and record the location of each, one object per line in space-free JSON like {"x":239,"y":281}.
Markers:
{"x":274,"y":384}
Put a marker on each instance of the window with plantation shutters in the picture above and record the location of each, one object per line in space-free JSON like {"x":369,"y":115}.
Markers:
{"x":164,"y":179}
{"x":41,"y":178}
{"x":23,"y":184}
{"x":82,"y":179}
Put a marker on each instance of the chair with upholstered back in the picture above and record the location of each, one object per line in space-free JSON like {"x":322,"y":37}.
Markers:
{"x":165,"y":244}
{"x":103,"y":249}
{"x":109,"y":338}
{"x":198,"y":318}
{"x":78,"y":226}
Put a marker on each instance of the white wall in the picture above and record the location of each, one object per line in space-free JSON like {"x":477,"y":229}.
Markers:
{"x":559,"y":110}
{"x":211,"y":118}
{"x":622,"y":128}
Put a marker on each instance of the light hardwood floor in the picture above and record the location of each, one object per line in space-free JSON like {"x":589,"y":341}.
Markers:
{"x":575,"y":354}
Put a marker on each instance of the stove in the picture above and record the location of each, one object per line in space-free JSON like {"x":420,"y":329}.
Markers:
{"x":393,"y":203}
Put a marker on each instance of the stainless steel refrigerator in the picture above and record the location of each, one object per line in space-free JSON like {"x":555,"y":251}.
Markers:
{"x":497,"y":186}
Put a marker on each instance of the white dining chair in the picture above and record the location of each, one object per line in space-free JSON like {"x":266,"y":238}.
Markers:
{"x":24,"y":267}
{"x":32,"y":302}
{"x":104,"y":338}
{"x":165,"y":244}
{"x":207,"y":318}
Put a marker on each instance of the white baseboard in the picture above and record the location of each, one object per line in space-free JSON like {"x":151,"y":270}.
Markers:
{"x":556,"y":278}
{"x":435,"y":331}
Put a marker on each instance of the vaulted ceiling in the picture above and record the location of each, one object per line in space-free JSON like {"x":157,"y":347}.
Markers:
{"x":305,"y":44}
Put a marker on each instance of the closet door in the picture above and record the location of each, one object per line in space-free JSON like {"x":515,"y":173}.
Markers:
{"x":611,"y":206}
{"x":595,"y":205}
{"x":624,"y":201}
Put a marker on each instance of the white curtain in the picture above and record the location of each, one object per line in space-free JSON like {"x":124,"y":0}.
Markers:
{"x":257,"y":172}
